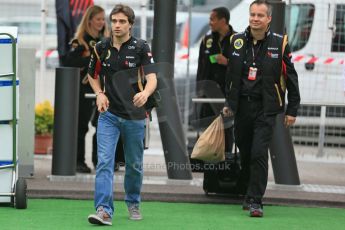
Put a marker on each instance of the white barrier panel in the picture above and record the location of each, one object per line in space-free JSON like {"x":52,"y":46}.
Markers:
{"x":6,"y":142}
{"x":6,"y":49}
{"x":6,"y":67}
{"x":6,"y":109}
{"x":6,"y":184}
{"x":6,"y":102}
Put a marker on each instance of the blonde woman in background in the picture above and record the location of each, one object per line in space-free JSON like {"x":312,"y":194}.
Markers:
{"x":91,"y":30}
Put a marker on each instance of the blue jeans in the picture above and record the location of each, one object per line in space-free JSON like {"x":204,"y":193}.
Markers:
{"x":108,"y":132}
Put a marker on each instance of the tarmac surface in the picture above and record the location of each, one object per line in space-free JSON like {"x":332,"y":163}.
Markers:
{"x":322,"y":182}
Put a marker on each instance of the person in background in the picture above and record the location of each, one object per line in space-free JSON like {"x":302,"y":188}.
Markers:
{"x":91,"y":29}
{"x":122,"y":112}
{"x":259,"y":72}
{"x":212,"y":64}
{"x":213,"y":60}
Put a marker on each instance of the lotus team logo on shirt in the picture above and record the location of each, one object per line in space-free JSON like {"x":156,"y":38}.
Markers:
{"x":209,"y":43}
{"x":238,"y":43}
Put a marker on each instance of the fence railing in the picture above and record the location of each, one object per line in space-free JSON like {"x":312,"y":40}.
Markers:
{"x":320,"y":129}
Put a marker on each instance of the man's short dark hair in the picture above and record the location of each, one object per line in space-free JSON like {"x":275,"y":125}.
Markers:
{"x":260,"y":2}
{"x":222,"y":12}
{"x":126,"y":10}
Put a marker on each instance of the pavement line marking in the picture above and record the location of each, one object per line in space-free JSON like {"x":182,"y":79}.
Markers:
{"x":198,"y":182}
{"x":308,"y":188}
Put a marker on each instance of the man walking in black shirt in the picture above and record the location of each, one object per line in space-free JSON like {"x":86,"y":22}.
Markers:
{"x":122,"y":112}
{"x":259,"y":72}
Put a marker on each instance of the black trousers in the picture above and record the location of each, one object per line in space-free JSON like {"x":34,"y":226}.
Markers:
{"x":85,"y":112}
{"x":253,"y":134}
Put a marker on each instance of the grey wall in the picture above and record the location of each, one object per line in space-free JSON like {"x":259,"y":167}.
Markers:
{"x":26,"y":130}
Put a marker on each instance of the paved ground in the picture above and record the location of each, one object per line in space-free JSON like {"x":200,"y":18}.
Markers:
{"x":322,"y":184}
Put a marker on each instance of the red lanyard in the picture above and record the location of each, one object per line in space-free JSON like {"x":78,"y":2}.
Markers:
{"x":257,"y":52}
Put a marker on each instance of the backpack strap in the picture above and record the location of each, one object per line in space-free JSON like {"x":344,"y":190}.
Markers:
{"x":285,"y":42}
{"x":139,"y":45}
{"x":141,"y":75}
{"x":105,"y":45}
{"x":101,"y":49}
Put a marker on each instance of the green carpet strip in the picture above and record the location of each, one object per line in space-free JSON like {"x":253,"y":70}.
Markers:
{"x":72,"y":214}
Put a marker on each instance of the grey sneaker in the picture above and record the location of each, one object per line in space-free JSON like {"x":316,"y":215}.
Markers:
{"x":134,"y":213}
{"x":256,"y":210}
{"x":100,"y":218}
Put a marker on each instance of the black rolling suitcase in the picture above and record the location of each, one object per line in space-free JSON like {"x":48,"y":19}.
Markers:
{"x":222,"y":177}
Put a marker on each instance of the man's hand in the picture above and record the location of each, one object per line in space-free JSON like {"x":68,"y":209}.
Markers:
{"x":221,"y":59}
{"x":102,"y":102}
{"x":227,"y":112}
{"x":140,"y":98}
{"x":289,"y":120}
